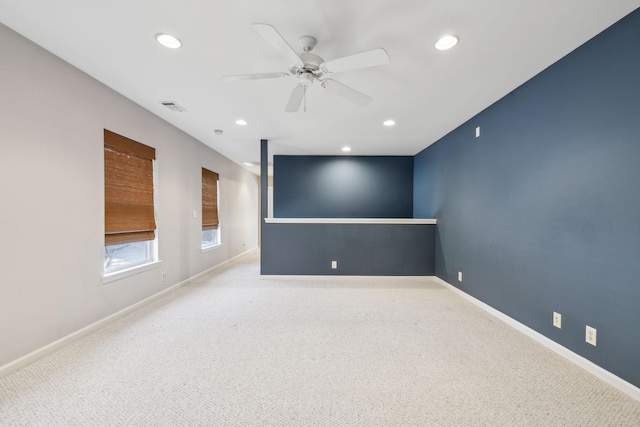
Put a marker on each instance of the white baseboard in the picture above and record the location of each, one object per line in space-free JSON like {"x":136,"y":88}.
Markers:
{"x":23,"y":361}
{"x":585,"y":364}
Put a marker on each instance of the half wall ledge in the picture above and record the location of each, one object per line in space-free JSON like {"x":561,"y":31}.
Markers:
{"x":348,"y":246}
{"x":350,"y":221}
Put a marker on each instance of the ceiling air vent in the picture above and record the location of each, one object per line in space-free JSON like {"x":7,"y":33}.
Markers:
{"x":173,"y":106}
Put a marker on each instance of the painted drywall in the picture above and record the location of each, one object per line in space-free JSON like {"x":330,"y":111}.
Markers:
{"x":52,"y":118}
{"x":541,"y":212}
{"x":343,"y":186}
{"x":359,"y":249}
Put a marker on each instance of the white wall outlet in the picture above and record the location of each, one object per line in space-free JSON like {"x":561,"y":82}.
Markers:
{"x":557,"y":320}
{"x":478,"y":132}
{"x":334,"y":264}
{"x":164,"y":276}
{"x":195,"y":214}
{"x":590,"y":335}
{"x":459,"y":276}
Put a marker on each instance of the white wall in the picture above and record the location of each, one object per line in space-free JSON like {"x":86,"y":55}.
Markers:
{"x":52,"y":118}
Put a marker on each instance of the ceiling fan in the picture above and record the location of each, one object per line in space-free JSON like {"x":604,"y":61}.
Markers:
{"x":308,"y":67}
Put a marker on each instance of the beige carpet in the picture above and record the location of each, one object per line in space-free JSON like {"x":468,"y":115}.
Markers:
{"x":232,"y":349}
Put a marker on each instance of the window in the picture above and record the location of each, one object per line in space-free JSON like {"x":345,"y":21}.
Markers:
{"x":209,"y":238}
{"x":210,"y":221}
{"x":129,"y":230}
{"x":126,"y":255}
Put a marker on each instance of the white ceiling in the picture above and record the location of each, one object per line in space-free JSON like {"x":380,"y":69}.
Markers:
{"x":427,"y":92}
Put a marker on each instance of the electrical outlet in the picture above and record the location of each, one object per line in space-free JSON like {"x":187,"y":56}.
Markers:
{"x":590,"y":335}
{"x":478,"y":132}
{"x":557,"y":320}
{"x":164,"y":275}
{"x":459,"y":276}
{"x":334,"y":264}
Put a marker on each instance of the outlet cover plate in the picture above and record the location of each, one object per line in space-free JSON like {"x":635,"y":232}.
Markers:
{"x":590,"y":335}
{"x":459,"y":276}
{"x":557,"y":320}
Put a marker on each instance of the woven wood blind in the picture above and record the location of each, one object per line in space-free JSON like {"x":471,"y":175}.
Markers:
{"x":128,"y":190}
{"x":209,"y":200}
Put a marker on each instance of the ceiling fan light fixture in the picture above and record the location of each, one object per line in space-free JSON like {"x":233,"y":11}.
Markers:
{"x":389,"y":123}
{"x":169,"y":41}
{"x":447,"y":42}
{"x":241,"y":122}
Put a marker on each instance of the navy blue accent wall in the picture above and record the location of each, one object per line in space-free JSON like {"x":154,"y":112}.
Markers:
{"x":360,"y":249}
{"x":343,"y":187}
{"x":541,"y":213}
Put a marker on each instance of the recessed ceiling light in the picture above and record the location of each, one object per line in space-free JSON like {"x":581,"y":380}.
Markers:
{"x":447,"y":42}
{"x":167,"y":40}
{"x":249,"y":164}
{"x":346,"y":149}
{"x":389,"y":122}
{"x":218,"y":131}
{"x":241,"y":122}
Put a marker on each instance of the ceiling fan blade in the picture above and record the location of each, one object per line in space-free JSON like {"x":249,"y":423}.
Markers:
{"x":346,"y":92}
{"x":295,"y":100}
{"x":370,"y":58}
{"x":253,"y":77}
{"x":273,"y":37}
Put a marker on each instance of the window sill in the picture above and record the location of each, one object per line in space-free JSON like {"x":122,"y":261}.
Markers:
{"x":112,"y":277}
{"x":210,"y":248}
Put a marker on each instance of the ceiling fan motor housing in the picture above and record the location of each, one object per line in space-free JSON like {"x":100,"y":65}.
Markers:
{"x":311,"y":61}
{"x":310,"y":69}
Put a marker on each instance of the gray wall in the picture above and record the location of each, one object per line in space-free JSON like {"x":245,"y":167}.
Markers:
{"x":541,"y":213}
{"x":52,"y":118}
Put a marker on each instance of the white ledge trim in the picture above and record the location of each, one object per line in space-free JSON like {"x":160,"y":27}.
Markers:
{"x":350,"y":221}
